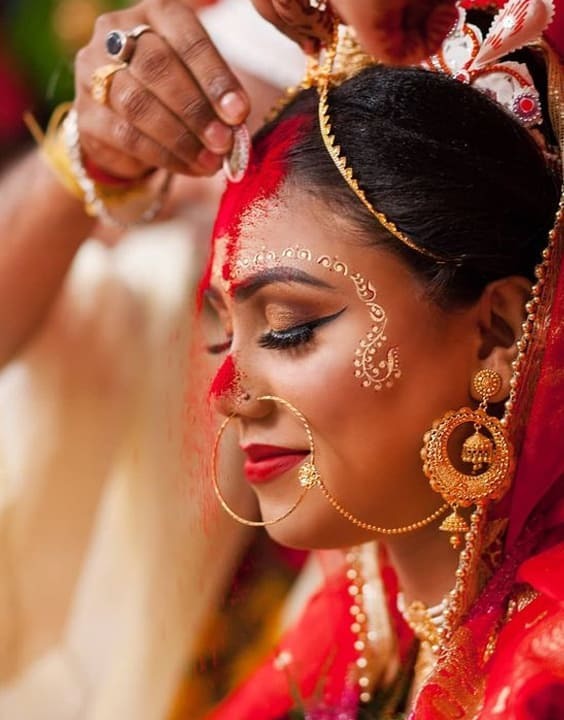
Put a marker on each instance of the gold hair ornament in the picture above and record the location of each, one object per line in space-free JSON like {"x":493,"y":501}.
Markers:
{"x":325,"y":78}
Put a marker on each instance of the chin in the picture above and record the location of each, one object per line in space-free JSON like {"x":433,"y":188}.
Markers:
{"x":313,"y":527}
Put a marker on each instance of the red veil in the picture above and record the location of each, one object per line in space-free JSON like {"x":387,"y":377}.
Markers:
{"x":524,"y":678}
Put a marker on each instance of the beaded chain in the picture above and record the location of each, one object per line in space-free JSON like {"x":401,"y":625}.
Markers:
{"x":555,"y":91}
{"x":402,"y":530}
{"x":359,"y":624}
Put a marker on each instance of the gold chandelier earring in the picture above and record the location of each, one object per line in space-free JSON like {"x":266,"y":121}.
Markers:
{"x":487,"y":452}
{"x":307,"y":474}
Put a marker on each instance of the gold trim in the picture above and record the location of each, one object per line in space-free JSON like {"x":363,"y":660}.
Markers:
{"x":334,"y":150}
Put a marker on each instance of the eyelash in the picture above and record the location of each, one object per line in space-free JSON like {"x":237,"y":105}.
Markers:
{"x":293,"y":337}
{"x":290,"y":338}
{"x":219,"y":348}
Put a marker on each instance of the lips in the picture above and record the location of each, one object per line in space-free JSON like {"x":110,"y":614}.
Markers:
{"x":266,"y":462}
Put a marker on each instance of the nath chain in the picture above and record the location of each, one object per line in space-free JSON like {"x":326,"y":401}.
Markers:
{"x":404,"y":529}
{"x":309,"y":477}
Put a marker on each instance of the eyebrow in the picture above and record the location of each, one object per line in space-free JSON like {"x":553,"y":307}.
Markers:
{"x":254,"y":283}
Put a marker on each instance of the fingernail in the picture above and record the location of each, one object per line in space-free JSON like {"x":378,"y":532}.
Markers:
{"x":233,"y":106}
{"x":218,"y":136}
{"x":208,"y":160}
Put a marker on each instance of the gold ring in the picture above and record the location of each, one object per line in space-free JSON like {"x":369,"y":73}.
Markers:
{"x":101,"y":81}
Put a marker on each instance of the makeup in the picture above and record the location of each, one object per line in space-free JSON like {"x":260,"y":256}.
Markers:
{"x":225,"y":380}
{"x":263,"y":179}
{"x":265,"y":463}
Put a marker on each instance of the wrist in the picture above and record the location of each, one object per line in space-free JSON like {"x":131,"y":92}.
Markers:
{"x":101,"y":177}
{"x":101,"y":193}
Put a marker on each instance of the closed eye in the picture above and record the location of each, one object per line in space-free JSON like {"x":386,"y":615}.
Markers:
{"x":296,"y":336}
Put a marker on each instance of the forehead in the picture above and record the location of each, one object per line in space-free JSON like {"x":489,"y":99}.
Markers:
{"x":296,"y":231}
{"x":291,"y":227}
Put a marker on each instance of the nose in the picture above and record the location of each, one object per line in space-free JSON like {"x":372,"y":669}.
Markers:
{"x":230,"y":395}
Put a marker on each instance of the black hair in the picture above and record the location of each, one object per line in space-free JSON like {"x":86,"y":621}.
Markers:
{"x":451,"y":168}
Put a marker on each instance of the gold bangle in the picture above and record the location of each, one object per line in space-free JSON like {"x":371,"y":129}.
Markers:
{"x":53,"y":147}
{"x":60,"y":148}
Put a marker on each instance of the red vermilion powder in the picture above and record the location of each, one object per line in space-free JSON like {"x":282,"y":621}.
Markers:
{"x":225,"y":380}
{"x":264,"y":178}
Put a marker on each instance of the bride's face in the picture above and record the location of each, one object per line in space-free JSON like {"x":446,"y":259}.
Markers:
{"x":346,"y":334}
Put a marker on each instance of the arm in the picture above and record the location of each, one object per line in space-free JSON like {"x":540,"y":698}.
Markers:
{"x":173,"y":107}
{"x":41,"y":227}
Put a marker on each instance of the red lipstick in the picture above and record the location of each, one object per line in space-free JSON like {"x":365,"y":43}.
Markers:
{"x":267,"y":462}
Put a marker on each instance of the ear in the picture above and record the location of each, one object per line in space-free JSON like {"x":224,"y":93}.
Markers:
{"x":501,"y":315}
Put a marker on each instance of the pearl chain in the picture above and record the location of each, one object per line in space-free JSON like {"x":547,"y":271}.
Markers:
{"x":359,"y":625}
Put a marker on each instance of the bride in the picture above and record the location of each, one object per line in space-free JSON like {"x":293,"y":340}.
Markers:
{"x":387,"y":276}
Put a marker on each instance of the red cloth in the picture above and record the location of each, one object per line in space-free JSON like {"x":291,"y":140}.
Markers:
{"x":13,"y":99}
{"x":320,"y":645}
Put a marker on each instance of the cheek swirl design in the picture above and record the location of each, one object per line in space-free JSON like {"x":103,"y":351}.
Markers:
{"x":370,"y":367}
{"x":374,"y":365}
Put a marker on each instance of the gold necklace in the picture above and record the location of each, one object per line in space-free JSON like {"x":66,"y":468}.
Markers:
{"x":426,"y":622}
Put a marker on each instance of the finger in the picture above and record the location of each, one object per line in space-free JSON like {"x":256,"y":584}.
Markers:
{"x":100,"y":124}
{"x":404,"y":32}
{"x":306,"y":26}
{"x":185,"y":34}
{"x":157,"y":67}
{"x":132,"y":102}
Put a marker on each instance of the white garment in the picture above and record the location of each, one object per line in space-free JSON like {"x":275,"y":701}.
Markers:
{"x":250,"y":43}
{"x":95,"y":484}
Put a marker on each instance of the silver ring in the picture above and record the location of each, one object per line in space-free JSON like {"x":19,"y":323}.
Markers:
{"x":236,"y":163}
{"x":120,"y":45}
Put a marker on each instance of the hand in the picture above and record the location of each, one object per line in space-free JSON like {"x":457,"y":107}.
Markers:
{"x":402,"y":32}
{"x":174,"y":104}
{"x":298,"y":20}
{"x":394,"y":31}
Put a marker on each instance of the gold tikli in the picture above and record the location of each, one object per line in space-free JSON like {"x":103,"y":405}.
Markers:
{"x":325,"y":78}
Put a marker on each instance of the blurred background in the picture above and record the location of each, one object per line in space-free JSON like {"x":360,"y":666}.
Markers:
{"x":38,"y":40}
{"x":123,"y":593}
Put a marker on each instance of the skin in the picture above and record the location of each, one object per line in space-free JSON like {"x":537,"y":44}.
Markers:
{"x":173,"y":108}
{"x":400,"y":32}
{"x":367,"y":443}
